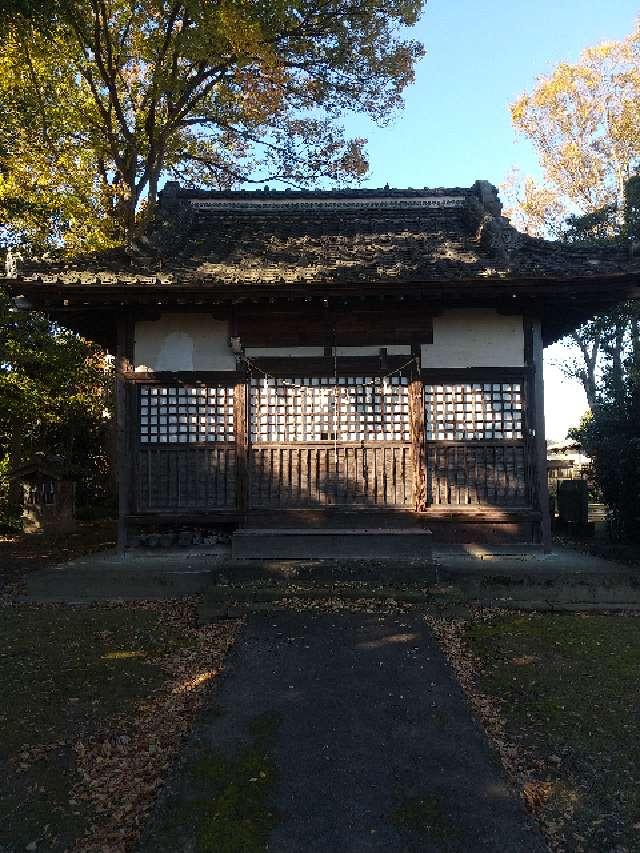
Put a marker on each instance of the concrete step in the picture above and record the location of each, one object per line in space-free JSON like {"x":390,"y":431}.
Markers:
{"x":402,"y":544}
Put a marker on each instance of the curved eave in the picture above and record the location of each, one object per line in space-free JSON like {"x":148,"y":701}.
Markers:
{"x":562,"y":304}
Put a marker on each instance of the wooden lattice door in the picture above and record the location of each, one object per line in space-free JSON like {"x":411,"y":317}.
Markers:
{"x":329,"y":441}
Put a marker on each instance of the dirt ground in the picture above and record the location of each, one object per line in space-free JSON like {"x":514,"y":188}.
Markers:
{"x":21,"y":554}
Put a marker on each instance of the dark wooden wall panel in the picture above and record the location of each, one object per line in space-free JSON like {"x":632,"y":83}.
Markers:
{"x":186,"y":478}
{"x":323,"y":476}
{"x":266,"y":326}
{"x":482,"y":473}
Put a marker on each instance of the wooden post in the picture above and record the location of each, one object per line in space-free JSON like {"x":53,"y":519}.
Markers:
{"x":416,"y":421}
{"x":125,"y":424}
{"x":539,"y":443}
{"x":240,"y":417}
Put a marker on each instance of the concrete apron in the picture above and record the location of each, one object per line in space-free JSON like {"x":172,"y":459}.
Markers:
{"x":527,"y":579}
{"x":133,"y":576}
{"x":565,"y":579}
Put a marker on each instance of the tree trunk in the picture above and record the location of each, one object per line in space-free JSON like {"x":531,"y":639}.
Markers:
{"x":588,"y":375}
{"x":617,"y":356}
{"x":152,"y":195}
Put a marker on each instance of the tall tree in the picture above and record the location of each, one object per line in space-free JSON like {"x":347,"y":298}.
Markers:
{"x":584,"y":121}
{"x":117,"y":94}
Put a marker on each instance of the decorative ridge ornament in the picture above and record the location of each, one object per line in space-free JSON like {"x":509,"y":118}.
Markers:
{"x":379,"y":203}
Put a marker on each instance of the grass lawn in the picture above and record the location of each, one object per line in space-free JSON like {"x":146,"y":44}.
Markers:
{"x":94,"y":702}
{"x":567,"y":687}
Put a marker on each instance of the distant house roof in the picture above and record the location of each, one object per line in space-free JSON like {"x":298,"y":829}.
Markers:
{"x":40,"y":465}
{"x":340,"y":236}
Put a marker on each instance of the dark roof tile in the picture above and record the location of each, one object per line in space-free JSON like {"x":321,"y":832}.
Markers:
{"x":335,"y":236}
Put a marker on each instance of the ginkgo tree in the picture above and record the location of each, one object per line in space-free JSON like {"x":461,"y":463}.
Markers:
{"x":111,"y":96}
{"x":584,"y":122}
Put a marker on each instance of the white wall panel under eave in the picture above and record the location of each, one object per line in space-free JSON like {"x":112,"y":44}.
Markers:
{"x":470,"y":337}
{"x":183,"y":342}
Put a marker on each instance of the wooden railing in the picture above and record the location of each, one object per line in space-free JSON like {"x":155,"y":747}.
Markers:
{"x":186,"y":477}
{"x":466,"y":473}
{"x":306,"y":475}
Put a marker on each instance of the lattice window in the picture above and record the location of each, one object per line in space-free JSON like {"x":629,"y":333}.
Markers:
{"x":349,"y":408}
{"x":179,"y":415}
{"x":474,"y":412}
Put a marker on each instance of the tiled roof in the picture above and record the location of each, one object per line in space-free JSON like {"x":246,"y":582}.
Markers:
{"x":325,"y":237}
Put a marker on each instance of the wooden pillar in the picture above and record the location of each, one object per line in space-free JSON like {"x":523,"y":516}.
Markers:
{"x":536,"y":414}
{"x":125,"y":423}
{"x":241,"y":417}
{"x":416,"y":422}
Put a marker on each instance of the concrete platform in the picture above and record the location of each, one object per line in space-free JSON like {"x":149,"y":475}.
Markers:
{"x":332,"y":544}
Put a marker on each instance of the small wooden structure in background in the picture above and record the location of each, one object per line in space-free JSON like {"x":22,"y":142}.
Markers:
{"x":48,"y":497}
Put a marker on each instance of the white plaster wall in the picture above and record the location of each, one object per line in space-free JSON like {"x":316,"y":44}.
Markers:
{"x":183,"y":342}
{"x":475,"y":338}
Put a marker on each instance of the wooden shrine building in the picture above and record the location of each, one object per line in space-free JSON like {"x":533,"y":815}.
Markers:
{"x":352,"y":358}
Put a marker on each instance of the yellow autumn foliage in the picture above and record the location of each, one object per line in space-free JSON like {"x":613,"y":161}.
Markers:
{"x":116,"y":96}
{"x":584,"y":122}
{"x":49,"y":176}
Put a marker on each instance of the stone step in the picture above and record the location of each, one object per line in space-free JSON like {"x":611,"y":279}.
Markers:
{"x":402,"y":544}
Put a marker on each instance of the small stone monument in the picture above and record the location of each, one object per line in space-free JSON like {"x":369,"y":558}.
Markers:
{"x":48,"y":497}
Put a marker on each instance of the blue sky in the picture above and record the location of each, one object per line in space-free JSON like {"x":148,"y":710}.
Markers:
{"x":456,"y":125}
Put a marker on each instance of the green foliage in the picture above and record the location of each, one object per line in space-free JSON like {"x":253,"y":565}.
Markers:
{"x":54,"y":391}
{"x":583,"y":121}
{"x":594,"y":227}
{"x":108,"y":98}
{"x":611,"y":436}
{"x":632,"y":207}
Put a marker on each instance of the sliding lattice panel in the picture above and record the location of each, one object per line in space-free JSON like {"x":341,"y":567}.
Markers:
{"x":170,"y":415}
{"x":476,"y":452}
{"x":481,"y":412}
{"x":186,"y":449}
{"x":346,"y":409}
